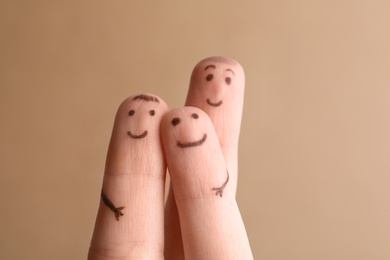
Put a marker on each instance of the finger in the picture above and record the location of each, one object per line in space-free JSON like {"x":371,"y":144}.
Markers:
{"x":173,"y":239}
{"x":130,"y":218}
{"x":210,"y":221}
{"x":217,"y":87}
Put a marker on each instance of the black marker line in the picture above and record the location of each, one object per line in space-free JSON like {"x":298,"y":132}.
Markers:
{"x":210,"y":66}
{"x":138,"y":136}
{"x":192,"y":144}
{"x":146,"y":98}
{"x":111,"y":206}
{"x":231,"y":71}
{"x":214,"y":104}
{"x":219,"y":190}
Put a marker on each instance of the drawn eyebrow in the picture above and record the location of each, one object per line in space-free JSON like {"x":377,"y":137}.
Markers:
{"x":210,"y":66}
{"x":231,"y":71}
{"x":147,"y":98}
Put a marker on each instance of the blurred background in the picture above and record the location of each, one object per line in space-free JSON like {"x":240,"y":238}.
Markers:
{"x":314,"y":150}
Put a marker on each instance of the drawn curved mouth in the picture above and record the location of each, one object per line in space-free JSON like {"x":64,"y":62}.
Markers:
{"x":192,"y":144}
{"x":137,"y":136}
{"x":214,"y":104}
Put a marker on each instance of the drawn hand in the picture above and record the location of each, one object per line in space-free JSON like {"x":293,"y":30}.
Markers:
{"x":198,"y":144}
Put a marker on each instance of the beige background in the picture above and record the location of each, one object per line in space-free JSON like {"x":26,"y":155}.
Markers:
{"x":314,"y":148}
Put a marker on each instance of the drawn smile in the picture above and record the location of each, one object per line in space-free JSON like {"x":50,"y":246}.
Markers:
{"x":214,"y":104}
{"x":192,"y":144}
{"x":137,"y":136}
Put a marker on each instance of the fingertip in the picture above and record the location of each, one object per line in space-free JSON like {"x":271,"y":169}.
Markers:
{"x":217,"y":87}
{"x":220,"y":72}
{"x":186,"y":127}
{"x":137,"y":124}
{"x":183,"y":123}
{"x":131,"y":212}
{"x":142,"y":107}
{"x":210,"y":222}
{"x":194,"y":157}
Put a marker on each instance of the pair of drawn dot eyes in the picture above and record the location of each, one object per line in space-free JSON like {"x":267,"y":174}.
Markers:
{"x":151,"y":112}
{"x":228,"y":80}
{"x":175,"y":121}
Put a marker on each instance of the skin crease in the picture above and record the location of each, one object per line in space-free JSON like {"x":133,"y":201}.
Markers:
{"x":217,"y":87}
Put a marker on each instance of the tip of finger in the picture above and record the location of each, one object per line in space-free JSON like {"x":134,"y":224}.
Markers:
{"x":183,"y":127}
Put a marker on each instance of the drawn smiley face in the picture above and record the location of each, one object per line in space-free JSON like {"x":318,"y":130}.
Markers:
{"x":216,"y":81}
{"x":144,"y":133}
{"x":147,"y":109}
{"x":221,"y":76}
{"x":187,"y":144}
{"x":190,"y":129}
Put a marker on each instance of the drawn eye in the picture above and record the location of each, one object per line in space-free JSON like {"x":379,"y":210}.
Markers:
{"x":209,"y":77}
{"x":228,"y":80}
{"x":131,"y":112}
{"x":152,"y":112}
{"x":195,"y":115}
{"x":175,"y":121}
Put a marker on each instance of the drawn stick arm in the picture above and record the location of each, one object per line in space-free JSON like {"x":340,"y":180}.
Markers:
{"x":219,"y":190}
{"x":111,"y":206}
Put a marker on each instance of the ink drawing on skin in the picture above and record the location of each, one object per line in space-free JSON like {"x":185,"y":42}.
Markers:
{"x":192,"y":144}
{"x":131,"y":113}
{"x":146,"y":98}
{"x":176,"y":121}
{"x":152,"y":112}
{"x":219,"y":190}
{"x":111,"y":206}
{"x":210,"y":77}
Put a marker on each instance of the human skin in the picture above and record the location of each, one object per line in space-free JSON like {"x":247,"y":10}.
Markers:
{"x":210,"y":222}
{"x":198,"y":144}
{"x":134,"y":178}
{"x":217,"y":87}
{"x":225,"y":89}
